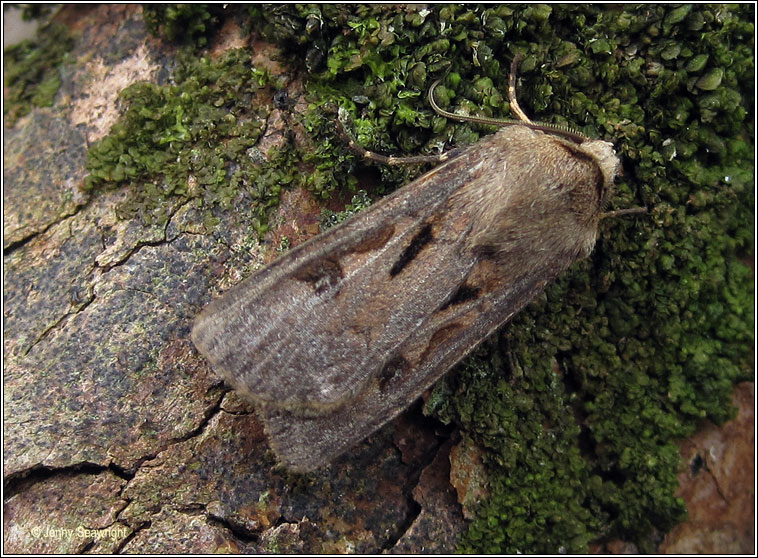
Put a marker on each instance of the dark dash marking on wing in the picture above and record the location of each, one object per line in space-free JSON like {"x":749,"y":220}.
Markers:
{"x":321,"y":274}
{"x":422,"y":238}
{"x":439,"y":337}
{"x":375,"y":239}
{"x":462,"y":294}
{"x":394,"y":368}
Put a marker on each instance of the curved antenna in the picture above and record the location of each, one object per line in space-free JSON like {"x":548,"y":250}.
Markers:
{"x":549,"y":128}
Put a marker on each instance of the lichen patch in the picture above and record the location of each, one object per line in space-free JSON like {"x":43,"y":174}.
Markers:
{"x":98,"y":106}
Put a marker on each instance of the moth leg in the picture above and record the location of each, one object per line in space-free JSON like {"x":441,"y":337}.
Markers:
{"x":384,"y":159}
{"x":515,"y":108}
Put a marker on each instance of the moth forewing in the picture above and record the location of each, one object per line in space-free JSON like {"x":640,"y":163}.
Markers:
{"x":305,"y":333}
{"x":343,"y":332}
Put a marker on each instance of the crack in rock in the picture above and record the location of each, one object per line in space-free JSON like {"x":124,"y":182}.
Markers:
{"x":20,"y":481}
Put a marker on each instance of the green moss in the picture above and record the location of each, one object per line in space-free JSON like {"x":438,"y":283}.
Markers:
{"x":201,"y":129}
{"x":32,"y":76}
{"x":359,"y":202}
{"x":190,"y":24}
{"x":628,"y":351}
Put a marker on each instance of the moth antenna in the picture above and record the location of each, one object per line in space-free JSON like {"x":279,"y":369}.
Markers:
{"x":515,"y":108}
{"x":466,"y":118}
{"x":563,"y":131}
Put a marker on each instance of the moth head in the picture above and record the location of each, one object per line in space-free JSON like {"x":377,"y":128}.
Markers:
{"x":605,"y":157}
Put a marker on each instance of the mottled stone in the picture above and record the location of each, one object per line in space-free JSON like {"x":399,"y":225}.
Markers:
{"x":183,"y":532}
{"x":718,"y":485}
{"x":284,"y":539}
{"x":116,"y":380}
{"x":46,"y":152}
{"x":67,"y":513}
{"x":46,"y":280}
{"x":468,"y":475}
{"x":439,"y":523}
{"x":229,"y":471}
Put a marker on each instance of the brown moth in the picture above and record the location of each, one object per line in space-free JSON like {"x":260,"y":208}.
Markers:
{"x":343,"y":332}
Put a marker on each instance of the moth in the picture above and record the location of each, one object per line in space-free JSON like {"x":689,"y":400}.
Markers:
{"x":343,"y":332}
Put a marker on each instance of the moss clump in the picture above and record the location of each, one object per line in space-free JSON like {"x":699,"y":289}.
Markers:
{"x":32,"y":76}
{"x":369,"y":60}
{"x":630,"y":350}
{"x":359,"y":202}
{"x":190,"y":24}
{"x":203,"y":126}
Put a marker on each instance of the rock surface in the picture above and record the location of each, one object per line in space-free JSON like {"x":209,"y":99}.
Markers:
{"x":718,"y":486}
{"x":119,"y":437}
{"x":111,"y":417}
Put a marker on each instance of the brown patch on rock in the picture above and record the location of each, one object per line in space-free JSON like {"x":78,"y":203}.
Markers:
{"x":98,"y":105}
{"x":79,"y":513}
{"x":468,"y":475}
{"x":229,"y":37}
{"x":297,"y":218}
{"x":718,"y":486}
{"x":415,"y":442}
{"x":439,"y":524}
